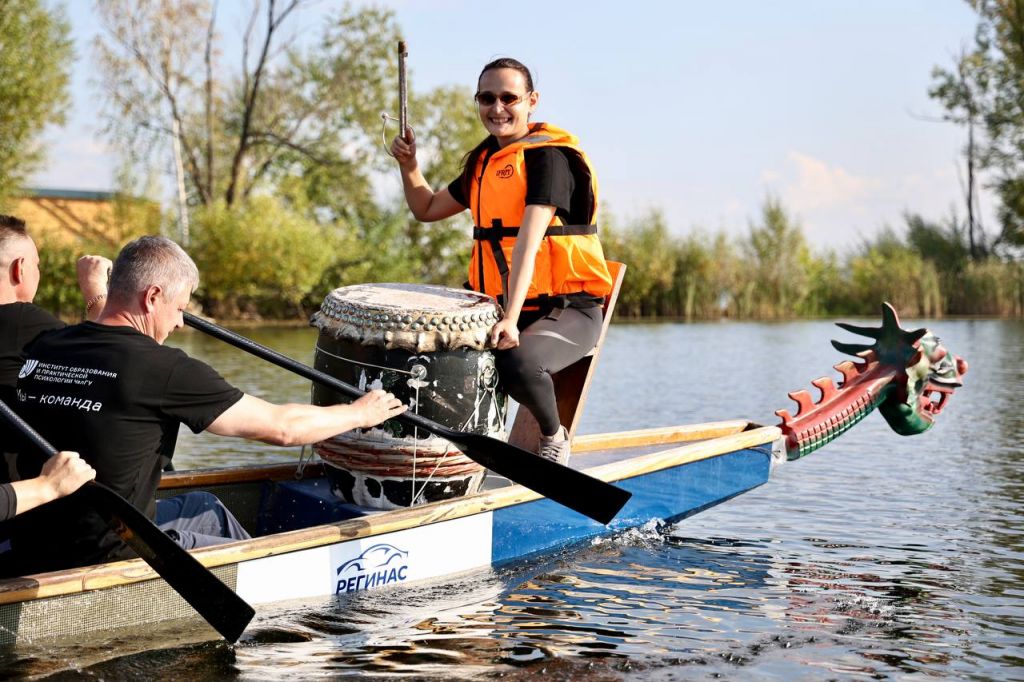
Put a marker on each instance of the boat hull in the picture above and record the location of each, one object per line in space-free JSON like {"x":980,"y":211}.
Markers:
{"x":670,"y":480}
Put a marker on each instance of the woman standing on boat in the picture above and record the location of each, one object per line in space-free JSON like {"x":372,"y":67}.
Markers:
{"x":533,"y":197}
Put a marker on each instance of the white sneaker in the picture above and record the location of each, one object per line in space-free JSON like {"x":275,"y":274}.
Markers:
{"x":557,"y":451}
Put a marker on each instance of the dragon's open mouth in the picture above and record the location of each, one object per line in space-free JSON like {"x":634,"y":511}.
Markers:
{"x":946,"y":371}
{"x":933,"y":399}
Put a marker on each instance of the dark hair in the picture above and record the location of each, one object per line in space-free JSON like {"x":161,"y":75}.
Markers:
{"x":11,"y":229}
{"x":507,"y":63}
{"x":469,"y":161}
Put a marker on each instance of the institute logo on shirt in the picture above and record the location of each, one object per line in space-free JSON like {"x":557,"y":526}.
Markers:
{"x":28,"y":368}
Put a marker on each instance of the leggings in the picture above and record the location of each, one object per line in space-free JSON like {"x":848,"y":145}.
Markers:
{"x":549,"y":341}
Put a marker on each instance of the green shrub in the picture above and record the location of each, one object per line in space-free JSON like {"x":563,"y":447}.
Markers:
{"x":258,"y":259}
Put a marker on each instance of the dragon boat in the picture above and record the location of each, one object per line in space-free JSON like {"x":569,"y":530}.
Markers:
{"x":310,"y":543}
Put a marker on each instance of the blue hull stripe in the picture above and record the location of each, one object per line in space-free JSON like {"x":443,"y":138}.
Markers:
{"x":669,"y":494}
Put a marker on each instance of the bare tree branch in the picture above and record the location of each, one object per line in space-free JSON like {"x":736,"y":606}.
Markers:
{"x":208,"y":60}
{"x":251,"y":97}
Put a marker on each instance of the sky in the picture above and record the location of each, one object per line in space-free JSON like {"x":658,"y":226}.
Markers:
{"x":700,"y":110}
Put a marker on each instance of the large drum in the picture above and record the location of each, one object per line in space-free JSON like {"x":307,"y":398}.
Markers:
{"x":428,"y":346}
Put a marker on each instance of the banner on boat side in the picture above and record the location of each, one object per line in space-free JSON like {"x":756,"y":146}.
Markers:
{"x":369,"y":563}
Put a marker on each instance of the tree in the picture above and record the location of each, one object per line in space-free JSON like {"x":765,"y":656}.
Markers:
{"x":986,"y":87}
{"x":649,"y":251}
{"x":258,"y":257}
{"x":35,"y":60}
{"x":963,"y":92}
{"x":240,"y":132}
{"x":300,"y":121}
{"x":780,"y":263}
{"x":889,"y":270}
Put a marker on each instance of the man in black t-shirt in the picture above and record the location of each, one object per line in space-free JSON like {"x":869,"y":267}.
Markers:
{"x":21,"y":320}
{"x":112,"y":391}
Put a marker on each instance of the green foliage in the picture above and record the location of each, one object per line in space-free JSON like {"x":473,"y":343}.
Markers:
{"x":58,"y":286}
{"x":58,"y":283}
{"x":888,"y":270}
{"x":647,"y":248}
{"x":985,"y":90}
{"x":771,"y":273}
{"x":779,"y":266}
{"x":705,"y":269}
{"x":259,"y":258}
{"x":990,"y":287}
{"x":300,"y":123}
{"x":35,"y":59}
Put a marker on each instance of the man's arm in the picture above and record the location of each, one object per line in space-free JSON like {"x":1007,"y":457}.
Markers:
{"x":93,"y":277}
{"x":63,"y":474}
{"x":296,"y":424}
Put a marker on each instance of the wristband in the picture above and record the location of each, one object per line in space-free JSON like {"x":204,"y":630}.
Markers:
{"x":93,"y":301}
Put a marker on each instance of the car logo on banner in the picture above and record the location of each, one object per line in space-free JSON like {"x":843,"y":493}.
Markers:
{"x":379,"y":565}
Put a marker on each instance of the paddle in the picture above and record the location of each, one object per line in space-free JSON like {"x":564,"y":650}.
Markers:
{"x":215,"y":601}
{"x":589,"y":496}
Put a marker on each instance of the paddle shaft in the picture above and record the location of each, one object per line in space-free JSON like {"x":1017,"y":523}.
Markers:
{"x":228,"y":613}
{"x":592,"y":497}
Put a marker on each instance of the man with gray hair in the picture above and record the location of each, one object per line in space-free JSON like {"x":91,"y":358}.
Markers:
{"x":111,"y":390}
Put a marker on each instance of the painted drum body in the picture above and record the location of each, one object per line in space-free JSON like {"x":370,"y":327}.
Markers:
{"x":429,"y":346}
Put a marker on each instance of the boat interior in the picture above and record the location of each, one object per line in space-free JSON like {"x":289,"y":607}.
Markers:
{"x":278,"y":498}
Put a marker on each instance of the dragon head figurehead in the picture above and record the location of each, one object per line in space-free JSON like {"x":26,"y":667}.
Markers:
{"x":924,"y":388}
{"x":908,"y":375}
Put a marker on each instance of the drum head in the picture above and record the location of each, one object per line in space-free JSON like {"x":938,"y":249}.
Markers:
{"x":416,"y":317}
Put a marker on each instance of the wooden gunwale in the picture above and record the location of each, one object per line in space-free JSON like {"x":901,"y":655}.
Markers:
{"x":581,"y":446}
{"x":712,"y":439}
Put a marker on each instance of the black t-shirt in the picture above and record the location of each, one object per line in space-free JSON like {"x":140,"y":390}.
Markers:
{"x":20,"y":323}
{"x":117,"y":397}
{"x":8,"y":501}
{"x":549,"y":181}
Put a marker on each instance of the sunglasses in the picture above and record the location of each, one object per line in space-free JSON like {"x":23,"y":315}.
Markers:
{"x":486,"y":99}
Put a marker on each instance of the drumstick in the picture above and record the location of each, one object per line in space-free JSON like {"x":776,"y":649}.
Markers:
{"x":403,"y":95}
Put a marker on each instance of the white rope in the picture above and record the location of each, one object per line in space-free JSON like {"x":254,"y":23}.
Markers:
{"x":364,"y":364}
{"x":490,"y":391}
{"x":385,"y":116}
{"x":303,"y":460}
{"x":415,"y":448}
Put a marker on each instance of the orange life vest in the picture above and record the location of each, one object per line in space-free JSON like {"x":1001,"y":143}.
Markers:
{"x":570,"y":260}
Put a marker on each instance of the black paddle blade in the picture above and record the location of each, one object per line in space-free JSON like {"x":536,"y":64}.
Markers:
{"x":574,"y":489}
{"x":228,"y":613}
{"x":590,"y":496}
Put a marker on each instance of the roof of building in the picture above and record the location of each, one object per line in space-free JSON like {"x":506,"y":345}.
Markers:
{"x":58,"y":193}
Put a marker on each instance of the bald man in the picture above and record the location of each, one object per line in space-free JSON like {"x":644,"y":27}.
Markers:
{"x":20,"y":319}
